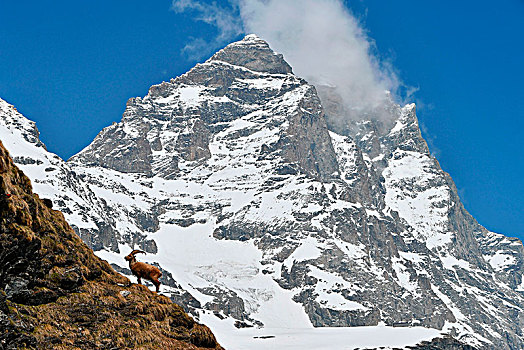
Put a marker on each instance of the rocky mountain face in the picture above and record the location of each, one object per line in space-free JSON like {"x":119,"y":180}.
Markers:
{"x":88,"y":213}
{"x":55,"y":293}
{"x":268,"y":207}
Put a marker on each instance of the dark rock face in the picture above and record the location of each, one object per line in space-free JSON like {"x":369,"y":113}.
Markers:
{"x":442,"y":344}
{"x":446,"y":343}
{"x":307,"y":144}
{"x":254,"y":54}
{"x":96,"y":239}
{"x":131,"y":154}
{"x":228,"y":303}
{"x":194,"y":145}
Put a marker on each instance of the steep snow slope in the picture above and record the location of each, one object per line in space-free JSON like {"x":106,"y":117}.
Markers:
{"x":53,"y":178}
{"x":266,"y":210}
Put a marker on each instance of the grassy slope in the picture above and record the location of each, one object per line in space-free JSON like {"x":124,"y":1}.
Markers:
{"x":55,"y":293}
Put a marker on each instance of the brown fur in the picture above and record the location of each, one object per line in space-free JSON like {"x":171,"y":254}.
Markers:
{"x":143,"y":270}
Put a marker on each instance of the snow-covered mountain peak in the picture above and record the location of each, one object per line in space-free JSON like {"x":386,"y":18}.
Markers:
{"x":171,"y":128}
{"x":269,"y":208}
{"x":18,"y":124}
{"x":251,"y":38}
{"x":255,"y":54}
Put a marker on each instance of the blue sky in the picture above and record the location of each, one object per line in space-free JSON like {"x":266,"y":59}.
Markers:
{"x":71,"y":66}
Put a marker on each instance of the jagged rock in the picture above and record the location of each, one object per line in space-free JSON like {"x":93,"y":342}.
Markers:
{"x":255,"y":54}
{"x":442,"y":344}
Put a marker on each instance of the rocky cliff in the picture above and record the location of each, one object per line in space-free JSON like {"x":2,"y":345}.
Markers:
{"x":55,"y":293}
{"x":270,"y":207}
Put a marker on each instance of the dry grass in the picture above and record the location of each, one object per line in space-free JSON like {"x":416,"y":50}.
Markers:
{"x":99,"y":312}
{"x":100,"y":317}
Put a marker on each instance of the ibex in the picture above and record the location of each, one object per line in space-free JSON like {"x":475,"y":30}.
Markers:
{"x":143,"y":270}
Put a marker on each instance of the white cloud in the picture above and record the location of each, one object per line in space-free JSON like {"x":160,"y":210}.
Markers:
{"x":321,"y":40}
{"x":225,"y":19}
